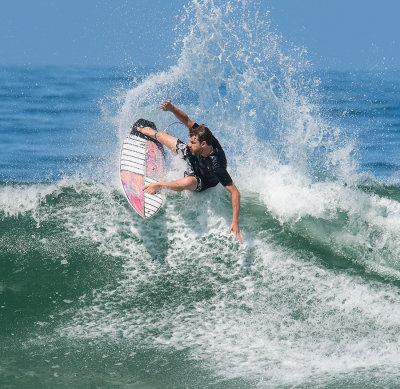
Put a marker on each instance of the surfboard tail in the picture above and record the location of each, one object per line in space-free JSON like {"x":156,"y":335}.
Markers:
{"x":143,"y":123}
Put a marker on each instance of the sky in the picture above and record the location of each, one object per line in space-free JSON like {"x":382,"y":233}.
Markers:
{"x":338,"y":34}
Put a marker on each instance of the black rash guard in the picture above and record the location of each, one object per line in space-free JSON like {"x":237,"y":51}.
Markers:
{"x":208,"y":171}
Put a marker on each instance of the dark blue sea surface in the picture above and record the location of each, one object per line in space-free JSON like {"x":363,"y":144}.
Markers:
{"x":367,"y":103}
{"x":50,"y":118}
{"x":93,"y":296}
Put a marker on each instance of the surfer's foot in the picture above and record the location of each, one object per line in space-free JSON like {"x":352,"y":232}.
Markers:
{"x":147,"y":131}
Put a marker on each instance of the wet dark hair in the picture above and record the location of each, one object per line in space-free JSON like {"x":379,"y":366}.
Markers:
{"x":202,"y":132}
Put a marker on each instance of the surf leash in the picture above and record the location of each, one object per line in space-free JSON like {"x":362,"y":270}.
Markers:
{"x":169,"y":125}
{"x":149,"y":113}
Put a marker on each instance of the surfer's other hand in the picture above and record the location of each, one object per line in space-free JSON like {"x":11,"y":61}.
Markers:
{"x":236,"y":231}
{"x":152,"y":188}
{"x":166,"y":105}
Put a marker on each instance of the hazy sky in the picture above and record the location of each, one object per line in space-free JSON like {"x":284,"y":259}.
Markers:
{"x":341,"y":34}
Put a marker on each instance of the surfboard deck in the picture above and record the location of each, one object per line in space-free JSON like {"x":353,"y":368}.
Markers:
{"x":142,"y":162}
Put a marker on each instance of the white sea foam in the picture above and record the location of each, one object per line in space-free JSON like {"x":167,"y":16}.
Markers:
{"x":285,"y":321}
{"x":21,"y":198}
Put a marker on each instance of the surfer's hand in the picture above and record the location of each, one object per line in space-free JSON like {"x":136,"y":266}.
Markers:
{"x":236,"y":230}
{"x":152,"y":188}
{"x":167,"y":105}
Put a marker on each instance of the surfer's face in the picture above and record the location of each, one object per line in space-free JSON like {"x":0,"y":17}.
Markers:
{"x":195,"y":146}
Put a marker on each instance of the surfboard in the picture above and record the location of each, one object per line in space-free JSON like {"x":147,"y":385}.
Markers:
{"x":142,"y":162}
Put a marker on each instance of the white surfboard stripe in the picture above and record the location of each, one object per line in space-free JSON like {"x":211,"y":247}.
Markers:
{"x":131,"y":154}
{"x":130,"y":158}
{"x":150,"y":212}
{"x":131,"y":163}
{"x":135,"y":139}
{"x":150,"y":207}
{"x":138,"y":163}
{"x":134,"y":165}
{"x":133,"y":169}
{"x":134,"y":148}
{"x":154,"y":200}
{"x":139,"y":145}
{"x":149,"y":180}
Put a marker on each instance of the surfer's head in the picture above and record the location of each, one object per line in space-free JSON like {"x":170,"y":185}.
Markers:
{"x":203,"y":134}
{"x":200,"y":138}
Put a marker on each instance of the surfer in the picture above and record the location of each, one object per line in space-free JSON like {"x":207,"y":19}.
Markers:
{"x":205,"y":159}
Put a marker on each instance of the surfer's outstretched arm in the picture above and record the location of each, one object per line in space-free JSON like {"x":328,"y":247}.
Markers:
{"x":162,"y":136}
{"x":235,"y":209}
{"x":179,"y":114}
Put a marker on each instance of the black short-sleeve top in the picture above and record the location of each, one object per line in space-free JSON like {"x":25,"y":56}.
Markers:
{"x":212,"y":169}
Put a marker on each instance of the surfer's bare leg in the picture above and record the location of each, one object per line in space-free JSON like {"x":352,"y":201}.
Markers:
{"x":185,"y":183}
{"x":162,"y":136}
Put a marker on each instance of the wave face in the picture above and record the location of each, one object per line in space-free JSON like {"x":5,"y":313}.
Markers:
{"x":91,"y":295}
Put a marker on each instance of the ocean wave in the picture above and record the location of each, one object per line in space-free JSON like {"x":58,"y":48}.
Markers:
{"x":310,"y":296}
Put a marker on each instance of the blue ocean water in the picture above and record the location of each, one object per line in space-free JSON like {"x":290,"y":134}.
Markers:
{"x":93,"y":296}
